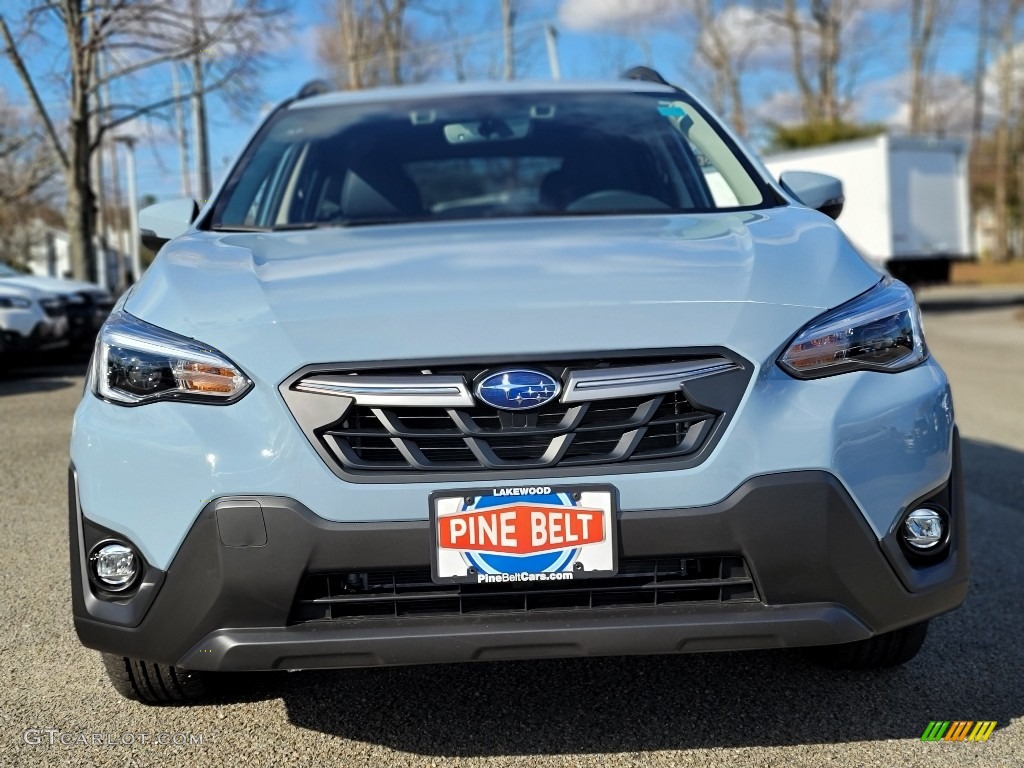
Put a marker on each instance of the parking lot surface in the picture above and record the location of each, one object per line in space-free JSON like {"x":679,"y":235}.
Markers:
{"x":737,"y":709}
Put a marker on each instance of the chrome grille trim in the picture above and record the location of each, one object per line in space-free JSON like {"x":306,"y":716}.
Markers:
{"x":408,"y":391}
{"x":454,"y":392}
{"x":636,"y":381}
{"x":416,"y":419}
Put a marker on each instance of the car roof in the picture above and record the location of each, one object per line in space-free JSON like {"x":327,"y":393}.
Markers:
{"x":478,"y":88}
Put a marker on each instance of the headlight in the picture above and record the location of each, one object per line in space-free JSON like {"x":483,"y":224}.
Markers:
{"x":878,"y":331}
{"x":14,"y":302}
{"x":137,"y":363}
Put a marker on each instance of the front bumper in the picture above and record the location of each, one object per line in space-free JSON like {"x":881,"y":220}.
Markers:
{"x":225,"y":602}
{"x":46,"y":334}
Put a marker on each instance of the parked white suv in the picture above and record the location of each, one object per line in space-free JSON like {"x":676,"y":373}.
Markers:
{"x":87,"y":304}
{"x":31,"y":320}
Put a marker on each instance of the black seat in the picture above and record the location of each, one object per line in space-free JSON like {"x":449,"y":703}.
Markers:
{"x":371,"y":192}
{"x":583,"y":175}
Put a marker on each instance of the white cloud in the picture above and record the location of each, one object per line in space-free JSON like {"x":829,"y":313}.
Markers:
{"x":590,"y":15}
{"x":780,"y":108}
{"x":750,"y":34}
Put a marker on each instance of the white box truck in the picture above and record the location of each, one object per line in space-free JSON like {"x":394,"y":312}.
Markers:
{"x":907,"y":204}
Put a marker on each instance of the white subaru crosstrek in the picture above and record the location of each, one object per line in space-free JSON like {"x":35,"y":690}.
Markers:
{"x":499,"y":371}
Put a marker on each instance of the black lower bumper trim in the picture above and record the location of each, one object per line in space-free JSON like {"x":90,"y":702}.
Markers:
{"x":504,"y":638}
{"x":822,"y":577}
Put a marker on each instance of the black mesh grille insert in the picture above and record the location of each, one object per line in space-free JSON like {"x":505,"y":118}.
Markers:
{"x":639,"y":583}
{"x":467,"y":439}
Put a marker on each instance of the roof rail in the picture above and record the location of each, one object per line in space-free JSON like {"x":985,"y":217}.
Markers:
{"x":314,"y":88}
{"x":645,"y":74}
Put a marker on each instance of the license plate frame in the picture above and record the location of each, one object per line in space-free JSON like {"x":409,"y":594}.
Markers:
{"x":502,"y":517}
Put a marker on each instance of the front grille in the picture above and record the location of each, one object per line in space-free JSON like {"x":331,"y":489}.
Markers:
{"x":482,"y":438}
{"x":603,"y":430}
{"x":640,"y":582}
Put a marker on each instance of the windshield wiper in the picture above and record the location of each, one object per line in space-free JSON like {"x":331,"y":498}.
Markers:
{"x":238,"y":228}
{"x":370,"y":221}
{"x":299,"y":225}
{"x":341,"y":222}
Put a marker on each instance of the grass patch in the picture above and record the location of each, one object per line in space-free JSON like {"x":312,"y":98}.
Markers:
{"x":987,"y":272}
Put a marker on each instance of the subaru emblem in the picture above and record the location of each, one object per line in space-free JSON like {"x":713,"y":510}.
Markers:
{"x":517,"y":389}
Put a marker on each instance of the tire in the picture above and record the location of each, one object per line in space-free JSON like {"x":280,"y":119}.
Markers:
{"x":157,"y":684}
{"x":888,"y":650}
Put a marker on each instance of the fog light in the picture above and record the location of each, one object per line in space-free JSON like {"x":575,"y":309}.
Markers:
{"x":115,"y":565}
{"x":924,"y":529}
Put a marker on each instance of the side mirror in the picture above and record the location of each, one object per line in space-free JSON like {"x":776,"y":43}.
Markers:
{"x":815,"y":190}
{"x":165,"y":221}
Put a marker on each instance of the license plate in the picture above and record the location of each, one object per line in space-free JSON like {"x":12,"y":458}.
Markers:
{"x":523,"y":534}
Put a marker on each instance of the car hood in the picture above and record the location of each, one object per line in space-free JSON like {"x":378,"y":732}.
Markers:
{"x":276,"y":301}
{"x":9,"y":288}
{"x":54,"y":284}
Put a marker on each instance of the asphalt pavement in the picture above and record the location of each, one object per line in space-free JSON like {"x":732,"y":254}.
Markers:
{"x":735,"y":709}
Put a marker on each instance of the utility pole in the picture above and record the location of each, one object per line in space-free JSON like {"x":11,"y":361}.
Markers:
{"x":133,"y":208}
{"x":551,"y":37}
{"x":199,"y":108}
{"x":97,"y":271}
{"x":179,"y":125}
{"x":199,"y":129}
{"x":117,"y":223}
{"x":508,"y":20}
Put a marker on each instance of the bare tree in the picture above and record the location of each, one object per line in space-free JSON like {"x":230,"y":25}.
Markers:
{"x":369,"y":43}
{"x":456,"y":52}
{"x":790,"y":19}
{"x":1008,"y":66}
{"x":819,"y":33}
{"x":451,"y":17}
{"x":828,"y":24}
{"x":926,"y":20}
{"x":724,"y":44}
{"x":980,"y":65}
{"x":392,"y":34}
{"x":136,"y":36}
{"x":242,"y":32}
{"x":27,"y":169}
{"x":352,"y":42}
{"x":26,"y":163}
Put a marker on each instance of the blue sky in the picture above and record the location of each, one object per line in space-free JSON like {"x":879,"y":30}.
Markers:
{"x":596,"y":40}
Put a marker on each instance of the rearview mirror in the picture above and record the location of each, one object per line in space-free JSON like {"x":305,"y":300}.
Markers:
{"x":815,"y":190}
{"x":489,"y":129}
{"x":165,"y":221}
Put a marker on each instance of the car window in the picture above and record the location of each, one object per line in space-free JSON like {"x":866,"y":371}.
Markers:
{"x":727,"y":179}
{"x":485,"y":156}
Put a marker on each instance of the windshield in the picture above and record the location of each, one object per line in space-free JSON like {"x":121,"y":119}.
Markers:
{"x":485,"y":156}
{"x":6,"y":271}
